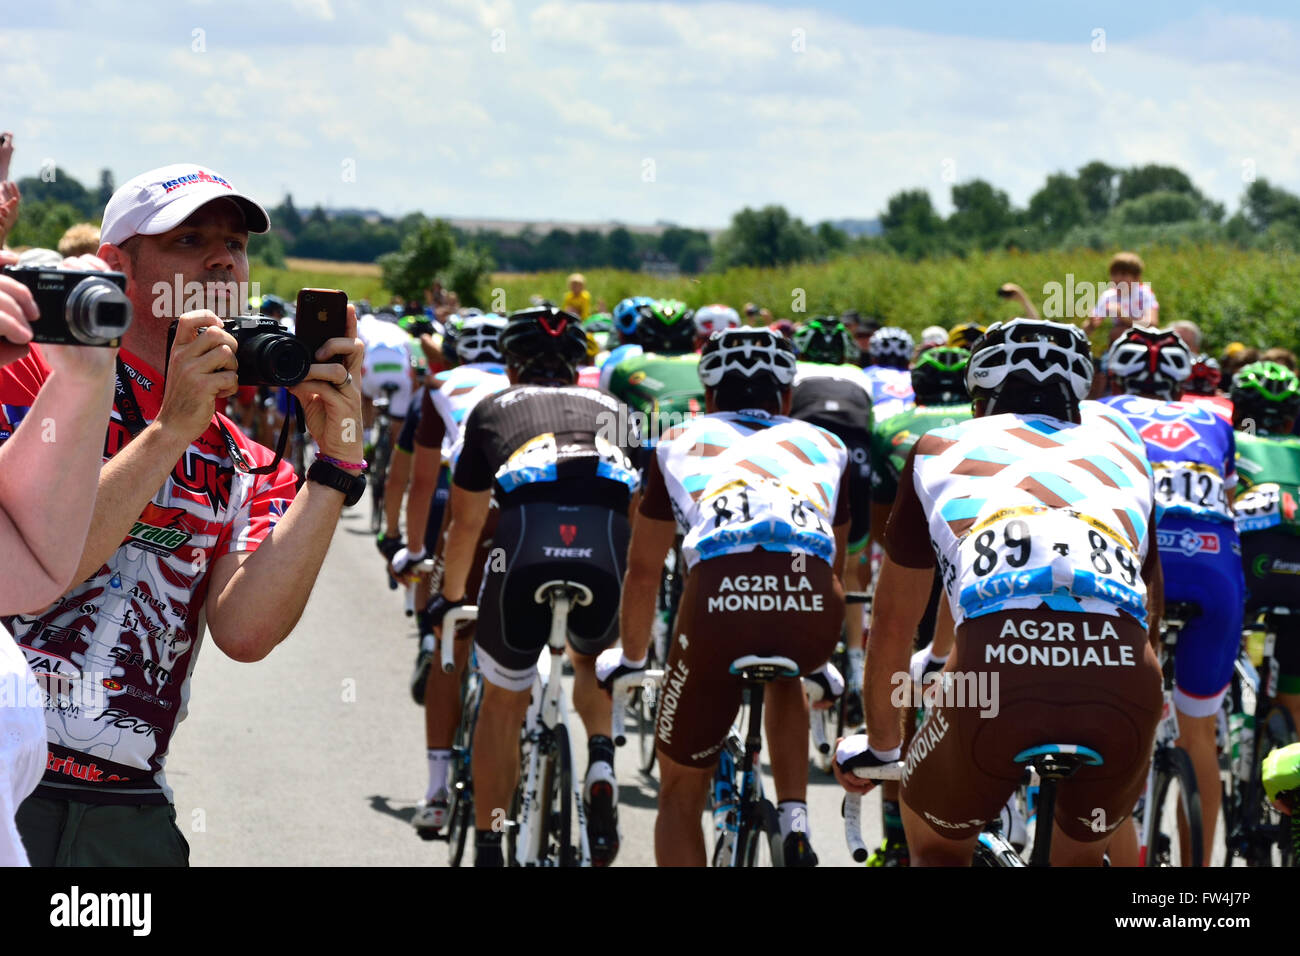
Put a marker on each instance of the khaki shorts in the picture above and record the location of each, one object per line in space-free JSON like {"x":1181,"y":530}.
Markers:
{"x":72,"y":833}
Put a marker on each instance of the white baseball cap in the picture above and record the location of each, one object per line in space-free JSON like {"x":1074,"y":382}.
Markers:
{"x":161,"y":199}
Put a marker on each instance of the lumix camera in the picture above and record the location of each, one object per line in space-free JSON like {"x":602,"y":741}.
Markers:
{"x":267,"y":354}
{"x":77,"y":308}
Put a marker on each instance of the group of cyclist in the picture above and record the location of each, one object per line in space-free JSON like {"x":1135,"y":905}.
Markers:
{"x":1031,"y":510}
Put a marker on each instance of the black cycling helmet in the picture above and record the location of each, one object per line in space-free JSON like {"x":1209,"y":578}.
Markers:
{"x":825,"y":339}
{"x":544,"y":344}
{"x":939,"y":376}
{"x":666,"y":326}
{"x":1031,"y":366}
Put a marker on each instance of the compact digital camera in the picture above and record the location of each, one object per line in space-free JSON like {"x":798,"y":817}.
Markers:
{"x":77,"y":308}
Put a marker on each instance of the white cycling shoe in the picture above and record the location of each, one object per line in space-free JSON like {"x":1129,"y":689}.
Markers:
{"x":430,"y":816}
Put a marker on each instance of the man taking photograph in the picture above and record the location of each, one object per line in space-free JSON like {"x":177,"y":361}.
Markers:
{"x":186,"y":537}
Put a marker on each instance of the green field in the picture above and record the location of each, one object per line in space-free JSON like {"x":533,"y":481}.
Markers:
{"x":1232,"y":294}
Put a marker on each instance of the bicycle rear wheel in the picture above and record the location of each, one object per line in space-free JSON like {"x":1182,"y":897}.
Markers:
{"x":559,"y":848}
{"x":1174,"y":800}
{"x":759,"y":843}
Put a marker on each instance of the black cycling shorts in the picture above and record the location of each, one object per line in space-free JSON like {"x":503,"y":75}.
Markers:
{"x":1271,"y":560}
{"x":406,"y":437}
{"x":539,"y":542}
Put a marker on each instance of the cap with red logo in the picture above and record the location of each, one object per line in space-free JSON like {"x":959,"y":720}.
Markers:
{"x":161,"y":199}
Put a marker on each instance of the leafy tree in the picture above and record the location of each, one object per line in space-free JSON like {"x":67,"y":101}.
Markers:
{"x":767,"y":237}
{"x":424,"y":254}
{"x":467,"y":274}
{"x":911,"y":225}
{"x":1141,"y":180}
{"x":1097,"y":180}
{"x":106,"y":189}
{"x":61,"y":188}
{"x":981,"y":213}
{"x":1156,"y":208}
{"x":1263,"y":204}
{"x":1058,"y":206}
{"x":42,"y":223}
{"x":286,"y":216}
{"x":621,"y":249}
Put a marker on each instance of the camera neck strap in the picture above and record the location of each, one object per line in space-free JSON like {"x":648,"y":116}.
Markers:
{"x":129,"y":408}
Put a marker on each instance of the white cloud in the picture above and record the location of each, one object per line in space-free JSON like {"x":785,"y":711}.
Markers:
{"x":559,"y":122}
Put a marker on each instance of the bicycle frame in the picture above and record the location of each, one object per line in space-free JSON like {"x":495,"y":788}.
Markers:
{"x":1166,"y":734}
{"x":546,"y":711}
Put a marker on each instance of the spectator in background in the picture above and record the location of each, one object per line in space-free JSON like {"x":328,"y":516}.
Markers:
{"x":578,"y":300}
{"x":751,"y":313}
{"x":80,"y":240}
{"x":1281,"y":356}
{"x":1009,"y":290}
{"x":1235,"y":356}
{"x":9,"y":198}
{"x":1190,"y":333}
{"x":1129,"y":301}
{"x":47,"y":496}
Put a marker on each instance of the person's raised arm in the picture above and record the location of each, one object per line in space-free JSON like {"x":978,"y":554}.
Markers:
{"x":49,"y":467}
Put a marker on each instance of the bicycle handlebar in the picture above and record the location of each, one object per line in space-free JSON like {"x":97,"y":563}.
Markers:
{"x":457,"y":615}
{"x":625,"y":684}
{"x":853,"y":806}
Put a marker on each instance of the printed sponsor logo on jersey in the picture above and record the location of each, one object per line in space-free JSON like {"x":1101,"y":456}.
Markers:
{"x":121,"y":719}
{"x":50,"y":669}
{"x":70,"y":766}
{"x":156,"y":530}
{"x":1187,"y":541}
{"x":568,"y":532}
{"x":125,"y":656}
{"x":1171,"y":436}
{"x":111,"y":684}
{"x":566,"y":552}
{"x":898,"y":389}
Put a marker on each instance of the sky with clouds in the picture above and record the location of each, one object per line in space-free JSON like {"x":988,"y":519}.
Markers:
{"x":685,"y":111}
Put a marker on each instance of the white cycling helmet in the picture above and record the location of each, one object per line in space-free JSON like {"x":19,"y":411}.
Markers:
{"x":1150,"y":361}
{"x":715,"y":318}
{"x":477,"y":338}
{"x":748,"y":354}
{"x":891,"y":342}
{"x":933,"y":335}
{"x":1039,"y":355}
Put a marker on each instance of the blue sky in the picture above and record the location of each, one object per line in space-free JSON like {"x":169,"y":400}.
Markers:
{"x":681,"y":111}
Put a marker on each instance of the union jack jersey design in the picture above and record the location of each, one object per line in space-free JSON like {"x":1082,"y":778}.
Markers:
{"x":1193,"y":452}
{"x":741,"y":480}
{"x":115,"y":654}
{"x":1029,"y":510}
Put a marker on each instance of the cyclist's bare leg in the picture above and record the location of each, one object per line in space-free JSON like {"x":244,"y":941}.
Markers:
{"x":683,"y":792}
{"x":592,"y":704}
{"x":1123,"y":845}
{"x":856,"y":578}
{"x":927,"y":848}
{"x":442,"y":701}
{"x":495,"y":763}
{"x":399,"y":472}
{"x":1196,"y":735}
{"x":1070,"y":852}
{"x":785,"y":721}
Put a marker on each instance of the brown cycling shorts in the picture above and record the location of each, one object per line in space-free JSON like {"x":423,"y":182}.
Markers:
{"x":1025,"y":678}
{"x":731,"y":606}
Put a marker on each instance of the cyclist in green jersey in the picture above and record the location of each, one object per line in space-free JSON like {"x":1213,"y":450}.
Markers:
{"x":1265,"y":402}
{"x":662,"y":380}
{"x":939,"y":381}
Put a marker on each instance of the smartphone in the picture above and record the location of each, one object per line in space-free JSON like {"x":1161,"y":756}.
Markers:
{"x":322,"y":314}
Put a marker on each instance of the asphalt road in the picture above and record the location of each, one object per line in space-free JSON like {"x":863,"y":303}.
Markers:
{"x":316,"y":755}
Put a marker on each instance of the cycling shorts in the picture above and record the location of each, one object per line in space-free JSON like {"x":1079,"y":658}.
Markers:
{"x":858,"y":444}
{"x":1202,"y":566}
{"x":406,"y":437}
{"x":1021,"y":678}
{"x":733,"y":605}
{"x":541,"y":542}
{"x":1271,"y":560}
{"x":388,"y":365}
{"x":437,"y":506}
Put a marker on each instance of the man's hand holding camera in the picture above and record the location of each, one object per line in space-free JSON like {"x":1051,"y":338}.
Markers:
{"x":201,"y":369}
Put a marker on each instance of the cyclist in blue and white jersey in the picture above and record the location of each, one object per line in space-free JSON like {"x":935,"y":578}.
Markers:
{"x":889,"y":351}
{"x":1193,"y":453}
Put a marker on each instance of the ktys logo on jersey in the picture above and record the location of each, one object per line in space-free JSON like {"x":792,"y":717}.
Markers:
{"x":157,"y":530}
{"x":1188,"y":542}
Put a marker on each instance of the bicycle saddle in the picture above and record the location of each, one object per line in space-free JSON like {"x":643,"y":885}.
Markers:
{"x":763,"y":669}
{"x":1058,"y":761}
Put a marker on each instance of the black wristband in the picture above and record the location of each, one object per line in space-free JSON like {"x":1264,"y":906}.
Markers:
{"x":352,"y":486}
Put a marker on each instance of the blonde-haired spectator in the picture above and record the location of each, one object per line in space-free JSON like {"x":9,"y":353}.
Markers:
{"x":1129,"y":301}
{"x":578,"y":299}
{"x":80,"y":240}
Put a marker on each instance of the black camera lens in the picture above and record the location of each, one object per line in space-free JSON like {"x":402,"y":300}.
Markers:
{"x":278,"y":358}
{"x":97,"y":311}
